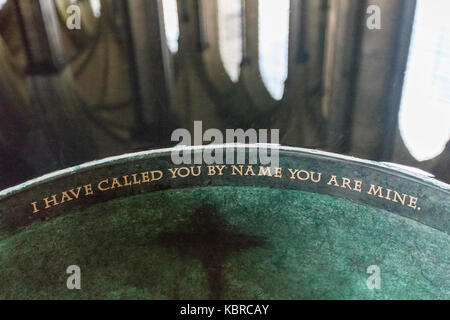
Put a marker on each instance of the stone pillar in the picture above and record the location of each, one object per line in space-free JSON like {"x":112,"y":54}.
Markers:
{"x":59,"y":136}
{"x":151,"y":65}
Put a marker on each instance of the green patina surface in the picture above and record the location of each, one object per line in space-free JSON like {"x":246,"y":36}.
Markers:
{"x":228,"y":243}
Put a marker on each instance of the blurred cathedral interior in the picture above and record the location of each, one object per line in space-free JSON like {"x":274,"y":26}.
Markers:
{"x":136,"y":70}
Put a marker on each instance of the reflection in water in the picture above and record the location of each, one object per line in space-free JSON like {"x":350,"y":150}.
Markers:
{"x":211,"y":240}
{"x":273,"y":35}
{"x":273,"y":39}
{"x":171,"y":24}
{"x":96,"y":6}
{"x":425,"y":110}
{"x":230,"y":36}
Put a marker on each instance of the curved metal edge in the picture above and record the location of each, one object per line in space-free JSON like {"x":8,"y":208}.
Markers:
{"x":402,"y":171}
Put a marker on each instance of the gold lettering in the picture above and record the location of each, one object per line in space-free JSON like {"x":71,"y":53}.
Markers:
{"x":135,"y":180}
{"x":146,"y":177}
{"x":264,"y":171}
{"x":317,"y":179}
{"x":358,"y":185}
{"x":333,"y":180}
{"x":65,"y":197}
{"x":51,"y":203}
{"x":293,"y":172}
{"x":157,"y":172}
{"x":413,"y":202}
{"x":184,"y":175}
{"x":388,"y":194}
{"x":346,"y":183}
{"x":116,"y":184}
{"x":220,"y":169}
{"x":278,"y":173}
{"x":77,"y":194}
{"x":35,"y":209}
{"x":250,"y":169}
{"x":235,"y":169}
{"x":376,"y":190}
{"x":402,"y":198}
{"x":88,"y":190}
{"x":173,"y":171}
{"x":211,"y":170}
{"x":126,"y":182}
{"x":101,"y":183}
{"x":306,"y":175}
{"x":196,"y":174}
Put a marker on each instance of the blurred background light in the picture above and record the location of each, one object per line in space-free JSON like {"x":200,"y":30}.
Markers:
{"x":425,"y":109}
{"x":230,"y":36}
{"x":171,"y":24}
{"x":273,"y":44}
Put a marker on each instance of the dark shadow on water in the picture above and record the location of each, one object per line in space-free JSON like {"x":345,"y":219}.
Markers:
{"x":208,"y":238}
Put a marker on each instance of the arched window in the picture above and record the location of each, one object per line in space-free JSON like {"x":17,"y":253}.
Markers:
{"x":273,"y":34}
{"x":96,"y":7}
{"x":424,"y":118}
{"x":230,"y":36}
{"x":171,"y":25}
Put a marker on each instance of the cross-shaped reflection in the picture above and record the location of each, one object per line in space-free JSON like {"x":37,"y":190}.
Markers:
{"x":208,"y":238}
